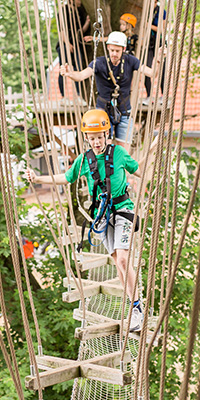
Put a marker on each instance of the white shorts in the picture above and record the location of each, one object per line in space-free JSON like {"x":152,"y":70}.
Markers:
{"x":117,"y":238}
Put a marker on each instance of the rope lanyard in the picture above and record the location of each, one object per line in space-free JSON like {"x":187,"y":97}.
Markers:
{"x":104,"y":208}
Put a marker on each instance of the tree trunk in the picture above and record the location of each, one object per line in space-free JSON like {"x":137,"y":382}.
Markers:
{"x":112,"y":11}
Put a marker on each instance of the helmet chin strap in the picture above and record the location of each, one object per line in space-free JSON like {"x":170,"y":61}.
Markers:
{"x":104,"y":148}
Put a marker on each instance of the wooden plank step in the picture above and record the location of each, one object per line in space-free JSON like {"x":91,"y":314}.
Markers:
{"x":106,"y":374}
{"x":91,"y":317}
{"x":94,"y":289}
{"x":104,"y":326}
{"x":86,"y":369}
{"x":87,"y":282}
{"x":52,"y":362}
{"x":97,"y":331}
{"x":112,"y":289}
{"x":86,"y":263}
{"x":75,"y":295}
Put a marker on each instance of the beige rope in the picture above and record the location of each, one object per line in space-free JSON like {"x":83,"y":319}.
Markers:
{"x":9,"y":365}
{"x":66,"y":263}
{"x":177,"y":257}
{"x":7,"y":200}
{"x":47,"y":160}
{"x":173,"y":222}
{"x":13,"y":371}
{"x":160,"y":146}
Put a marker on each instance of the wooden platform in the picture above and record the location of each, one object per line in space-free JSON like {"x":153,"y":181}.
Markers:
{"x":101,"y":368}
{"x":89,"y":261}
{"x":101,"y":326}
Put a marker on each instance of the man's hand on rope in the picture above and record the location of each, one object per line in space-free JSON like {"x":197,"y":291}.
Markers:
{"x":154,"y":144}
{"x":64,"y":70}
{"x":88,"y":38}
{"x":160,"y":53}
{"x":30,"y":175}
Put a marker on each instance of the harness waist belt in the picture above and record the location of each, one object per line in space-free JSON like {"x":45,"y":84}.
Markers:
{"x":115,"y":200}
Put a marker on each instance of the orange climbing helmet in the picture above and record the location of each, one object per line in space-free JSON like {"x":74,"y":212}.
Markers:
{"x":129,"y":18}
{"x":95,"y":121}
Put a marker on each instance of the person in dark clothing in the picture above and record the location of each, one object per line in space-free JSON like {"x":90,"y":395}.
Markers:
{"x":151,"y":52}
{"x":71,"y":21}
{"x":122,"y":66}
{"x":127,"y":25}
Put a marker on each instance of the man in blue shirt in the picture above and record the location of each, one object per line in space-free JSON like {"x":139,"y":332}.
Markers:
{"x":122,"y":67}
{"x":151,"y":52}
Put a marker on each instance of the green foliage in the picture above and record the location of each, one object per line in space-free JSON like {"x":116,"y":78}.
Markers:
{"x":182,"y":296}
{"x":54,"y":317}
{"x":9,"y":42}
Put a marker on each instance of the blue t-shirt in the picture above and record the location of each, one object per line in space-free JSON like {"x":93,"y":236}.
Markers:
{"x":105,"y":85}
{"x":156,"y":17}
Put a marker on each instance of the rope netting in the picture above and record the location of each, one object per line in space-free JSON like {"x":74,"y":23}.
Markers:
{"x":88,"y":388}
{"x":46,"y":109}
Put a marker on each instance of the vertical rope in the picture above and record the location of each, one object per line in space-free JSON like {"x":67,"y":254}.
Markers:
{"x":174,"y":271}
{"x":7,"y":200}
{"x":13,"y":371}
{"x":193,"y":329}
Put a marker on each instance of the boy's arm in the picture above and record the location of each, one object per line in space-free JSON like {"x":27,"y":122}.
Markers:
{"x":32,"y":177}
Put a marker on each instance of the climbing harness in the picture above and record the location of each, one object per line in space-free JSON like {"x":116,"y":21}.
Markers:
{"x":112,"y":106}
{"x":105,"y":203}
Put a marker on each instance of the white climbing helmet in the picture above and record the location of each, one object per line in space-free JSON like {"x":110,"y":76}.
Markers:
{"x":117,"y":38}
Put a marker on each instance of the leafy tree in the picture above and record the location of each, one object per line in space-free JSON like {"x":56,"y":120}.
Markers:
{"x":182,"y":296}
{"x":55,"y":317}
{"x":9,"y":43}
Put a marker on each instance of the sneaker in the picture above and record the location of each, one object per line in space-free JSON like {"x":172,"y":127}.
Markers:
{"x":136,"y":320}
{"x":146,"y":102}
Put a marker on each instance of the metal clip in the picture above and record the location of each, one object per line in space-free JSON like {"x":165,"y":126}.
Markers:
{"x":40,"y":351}
{"x":32,"y":369}
{"x":122,"y":366}
{"x":83,"y":323}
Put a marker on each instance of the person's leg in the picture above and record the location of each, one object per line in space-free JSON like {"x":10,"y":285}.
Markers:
{"x":60,"y":77}
{"x":121,"y":259}
{"x":123,"y":130}
{"x":119,"y":272}
{"x":147,"y":80}
{"x":163,"y":77}
{"x":121,"y":245}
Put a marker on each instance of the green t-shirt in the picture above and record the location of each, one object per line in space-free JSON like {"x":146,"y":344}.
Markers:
{"x":121,"y":160}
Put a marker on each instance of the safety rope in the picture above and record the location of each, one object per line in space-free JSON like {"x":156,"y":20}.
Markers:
{"x":14,"y":371}
{"x":98,"y":26}
{"x":193,"y":331}
{"x":66,"y":263}
{"x":131,"y":238}
{"x":7,"y":200}
{"x":152,"y":258}
{"x":175,"y":266}
{"x":41,"y":138}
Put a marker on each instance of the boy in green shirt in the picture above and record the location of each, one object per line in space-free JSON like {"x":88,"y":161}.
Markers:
{"x":95,"y":125}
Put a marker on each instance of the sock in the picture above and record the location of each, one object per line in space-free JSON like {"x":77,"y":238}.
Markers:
{"x":136,"y":304}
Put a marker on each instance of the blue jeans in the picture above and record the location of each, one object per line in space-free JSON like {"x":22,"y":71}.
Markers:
{"x":121,"y":128}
